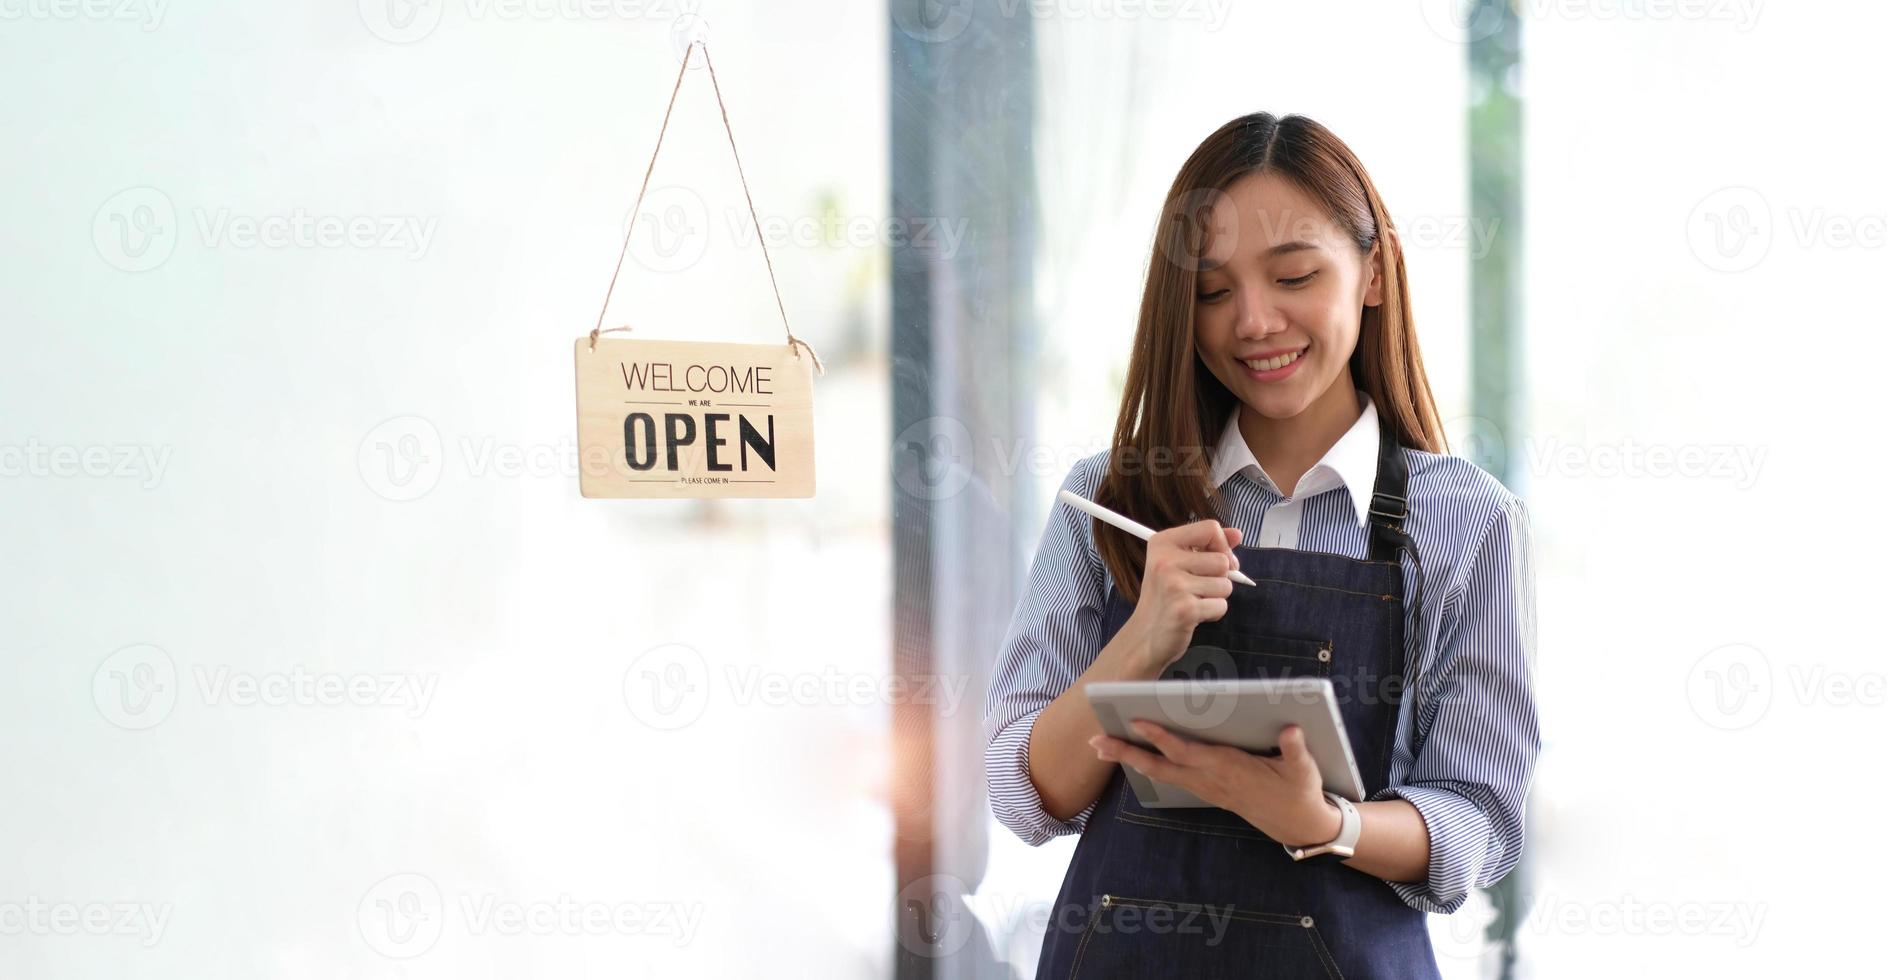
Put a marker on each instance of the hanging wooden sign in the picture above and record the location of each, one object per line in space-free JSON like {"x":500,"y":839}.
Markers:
{"x":669,"y":418}
{"x":685,"y":419}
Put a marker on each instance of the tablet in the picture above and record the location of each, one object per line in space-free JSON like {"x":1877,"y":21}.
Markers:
{"x":1247,"y":714}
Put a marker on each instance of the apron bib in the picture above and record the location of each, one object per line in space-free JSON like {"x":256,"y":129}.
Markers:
{"x":1201,"y":893}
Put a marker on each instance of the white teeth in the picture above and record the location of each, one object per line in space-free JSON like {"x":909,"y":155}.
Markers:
{"x":1272,"y":363}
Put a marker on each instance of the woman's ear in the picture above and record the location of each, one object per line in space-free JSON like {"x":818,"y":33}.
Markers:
{"x":1373,"y":266}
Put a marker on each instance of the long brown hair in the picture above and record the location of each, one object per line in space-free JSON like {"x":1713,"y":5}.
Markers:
{"x":1173,"y":407}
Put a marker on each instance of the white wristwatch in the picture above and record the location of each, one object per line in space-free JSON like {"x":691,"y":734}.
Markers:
{"x":1344,"y":846}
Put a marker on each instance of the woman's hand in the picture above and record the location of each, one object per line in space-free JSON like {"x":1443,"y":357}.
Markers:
{"x":1282,"y":796}
{"x":1065,"y":775}
{"x":1186,"y":582}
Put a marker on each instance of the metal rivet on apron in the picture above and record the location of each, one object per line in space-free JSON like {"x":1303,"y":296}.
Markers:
{"x":1306,"y":922}
{"x":1107,"y":900}
{"x":1323,"y":654}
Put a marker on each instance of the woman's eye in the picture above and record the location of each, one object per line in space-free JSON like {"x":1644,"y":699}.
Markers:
{"x":1213,"y":296}
{"x":1300,"y":280}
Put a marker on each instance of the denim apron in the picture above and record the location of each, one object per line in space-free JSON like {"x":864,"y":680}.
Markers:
{"x":1201,"y":893}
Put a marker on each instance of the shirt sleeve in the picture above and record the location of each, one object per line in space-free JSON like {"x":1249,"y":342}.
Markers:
{"x":1054,"y":634}
{"x":1478,"y":731}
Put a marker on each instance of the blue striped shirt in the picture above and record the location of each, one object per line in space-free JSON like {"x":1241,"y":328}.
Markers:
{"x":1465,"y":764}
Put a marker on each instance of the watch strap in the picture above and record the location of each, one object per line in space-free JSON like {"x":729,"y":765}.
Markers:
{"x":1340,"y":848}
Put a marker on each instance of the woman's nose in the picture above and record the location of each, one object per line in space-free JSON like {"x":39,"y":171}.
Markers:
{"x":1258,"y":318}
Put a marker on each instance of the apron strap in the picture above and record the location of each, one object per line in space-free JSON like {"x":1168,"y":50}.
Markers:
{"x":1389,"y":505}
{"x":1388,"y":508}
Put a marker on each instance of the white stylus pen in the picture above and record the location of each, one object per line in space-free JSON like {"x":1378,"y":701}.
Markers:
{"x":1127,"y":524}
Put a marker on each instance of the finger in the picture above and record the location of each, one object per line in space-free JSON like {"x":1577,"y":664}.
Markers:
{"x":1202,"y":535}
{"x":1170,"y":745}
{"x":1222,"y":544}
{"x":1167,"y":561}
{"x":1233,"y":536}
{"x":1202,"y":562}
{"x":1209,"y":609}
{"x":1151,"y":763}
{"x":1114,"y":749}
{"x":1293,"y":752}
{"x":1207,"y":586}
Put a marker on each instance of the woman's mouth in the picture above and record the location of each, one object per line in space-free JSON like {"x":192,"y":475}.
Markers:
{"x":1273,"y":368}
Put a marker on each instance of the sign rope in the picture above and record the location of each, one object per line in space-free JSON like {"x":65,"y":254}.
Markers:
{"x":792,"y":341}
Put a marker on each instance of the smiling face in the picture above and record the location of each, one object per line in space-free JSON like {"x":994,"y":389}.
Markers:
{"x":1280,"y":297}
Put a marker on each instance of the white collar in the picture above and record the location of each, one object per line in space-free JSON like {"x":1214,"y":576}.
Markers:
{"x":1350,"y":463}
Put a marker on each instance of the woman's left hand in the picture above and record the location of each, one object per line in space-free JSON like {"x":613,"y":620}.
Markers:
{"x":1281,"y":796}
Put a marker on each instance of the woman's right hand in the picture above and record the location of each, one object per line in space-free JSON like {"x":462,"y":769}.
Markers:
{"x":1186,"y":582}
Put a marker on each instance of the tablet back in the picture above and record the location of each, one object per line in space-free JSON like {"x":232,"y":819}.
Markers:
{"x":1247,"y":714}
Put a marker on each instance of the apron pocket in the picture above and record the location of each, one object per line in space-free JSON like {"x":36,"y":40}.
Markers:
{"x":1222,"y":654}
{"x":1138,"y":937}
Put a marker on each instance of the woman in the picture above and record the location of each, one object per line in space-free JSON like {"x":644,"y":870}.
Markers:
{"x":1276,"y":386}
